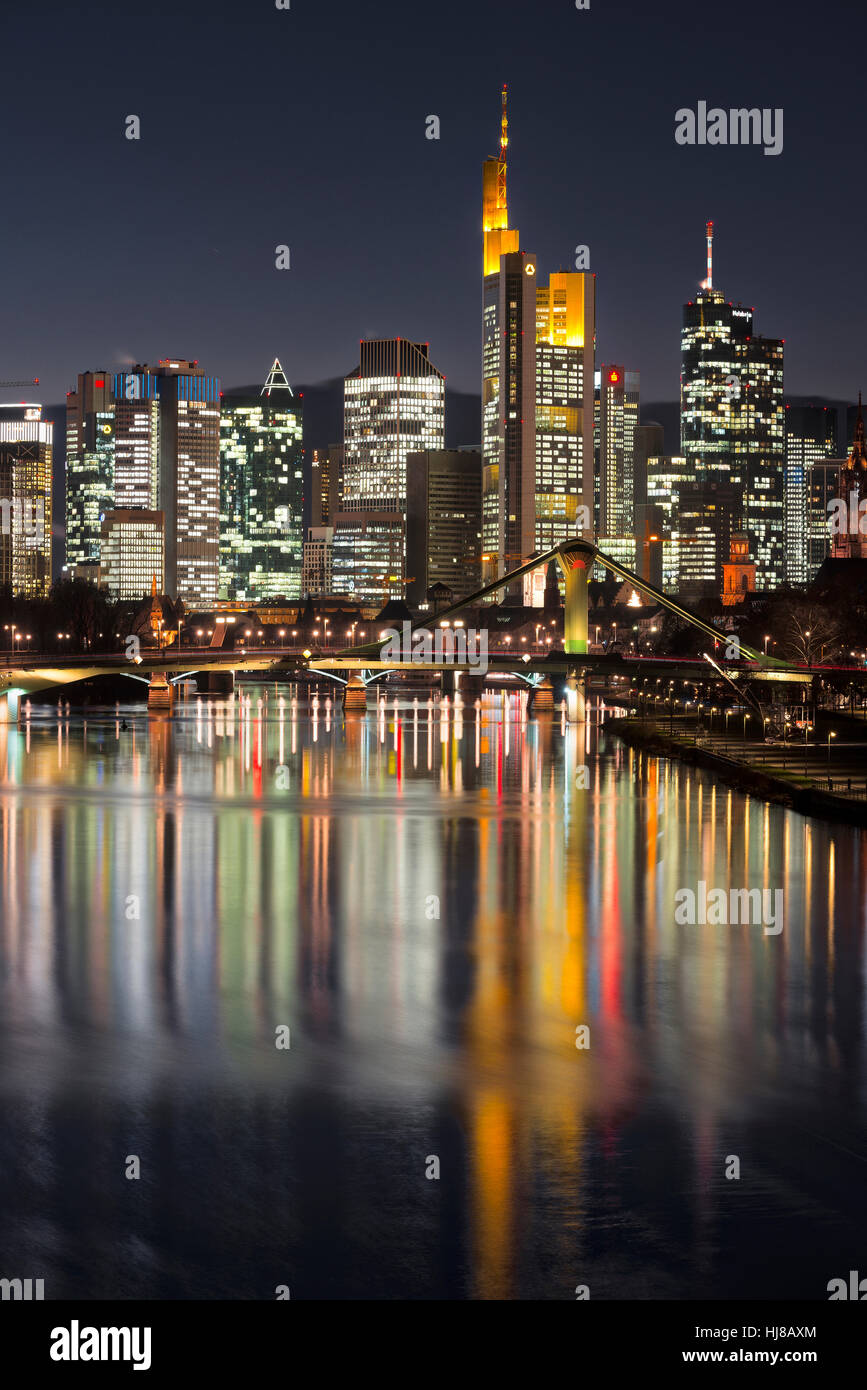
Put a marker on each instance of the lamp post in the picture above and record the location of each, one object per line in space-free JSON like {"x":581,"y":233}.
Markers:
{"x":767,"y":640}
{"x":830,"y":736}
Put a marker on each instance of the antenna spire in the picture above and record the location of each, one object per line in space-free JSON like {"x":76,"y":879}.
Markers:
{"x":708,"y":284}
{"x":504,"y":123}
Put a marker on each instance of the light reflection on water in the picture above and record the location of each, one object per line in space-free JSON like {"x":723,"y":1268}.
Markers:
{"x":173,"y":892}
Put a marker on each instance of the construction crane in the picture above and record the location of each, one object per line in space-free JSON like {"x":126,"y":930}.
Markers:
{"x":34,"y":381}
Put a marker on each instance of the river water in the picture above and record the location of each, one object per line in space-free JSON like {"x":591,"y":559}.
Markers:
{"x":422,"y":910}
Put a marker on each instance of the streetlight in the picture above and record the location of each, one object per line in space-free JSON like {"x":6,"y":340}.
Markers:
{"x":830,"y":736}
{"x":767,"y":640}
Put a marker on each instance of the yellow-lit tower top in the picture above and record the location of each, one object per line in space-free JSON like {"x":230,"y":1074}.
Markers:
{"x":495,"y":208}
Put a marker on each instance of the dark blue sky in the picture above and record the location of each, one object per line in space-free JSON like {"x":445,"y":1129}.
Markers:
{"x":306,"y":127}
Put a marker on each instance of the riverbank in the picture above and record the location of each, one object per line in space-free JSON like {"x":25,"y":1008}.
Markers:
{"x":782,"y":787}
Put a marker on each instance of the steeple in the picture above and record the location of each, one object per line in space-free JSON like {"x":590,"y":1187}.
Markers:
{"x":857,"y":460}
{"x":277,"y":380}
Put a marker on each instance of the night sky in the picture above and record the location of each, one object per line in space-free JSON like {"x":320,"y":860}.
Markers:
{"x":306,"y":127}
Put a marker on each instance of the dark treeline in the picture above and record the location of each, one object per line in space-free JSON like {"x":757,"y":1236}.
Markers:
{"x":76,"y":617}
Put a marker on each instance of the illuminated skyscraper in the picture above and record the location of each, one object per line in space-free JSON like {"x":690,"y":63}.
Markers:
{"x":131,"y":552}
{"x":26,"y":449}
{"x":618,"y":422}
{"x":811,"y":438}
{"x":565,"y":345}
{"x":538,"y":345}
{"x":508,"y":375}
{"x":167,"y":458}
{"x":732,"y":428}
{"x":368,"y":551}
{"x":261,"y":463}
{"x":89,"y":465}
{"x":393,"y":404}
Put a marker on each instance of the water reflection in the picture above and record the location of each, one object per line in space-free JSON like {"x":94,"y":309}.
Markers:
{"x":433,"y":897}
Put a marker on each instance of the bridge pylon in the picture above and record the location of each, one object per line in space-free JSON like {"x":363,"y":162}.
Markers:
{"x":9,"y":706}
{"x":160,"y":692}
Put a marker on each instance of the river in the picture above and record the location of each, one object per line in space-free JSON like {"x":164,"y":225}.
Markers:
{"x":398,"y":1007}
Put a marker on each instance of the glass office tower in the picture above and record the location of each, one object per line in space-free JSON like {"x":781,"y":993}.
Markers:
{"x":261,"y":493}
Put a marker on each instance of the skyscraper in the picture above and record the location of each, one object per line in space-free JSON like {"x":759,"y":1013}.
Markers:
{"x":89,"y":465}
{"x":618,"y":421}
{"x":443,"y":521}
{"x":167,"y":458}
{"x":508,"y":375}
{"x":565,"y":346}
{"x":26,"y":448}
{"x":538,"y":345}
{"x":261,"y":463}
{"x":811,"y":437}
{"x":732,"y":421}
{"x":393,"y":403}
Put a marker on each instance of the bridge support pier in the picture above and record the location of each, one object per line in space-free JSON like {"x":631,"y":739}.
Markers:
{"x":541,"y":699}
{"x":576,"y":703}
{"x":9,"y":703}
{"x":354,"y":695}
{"x":160,"y":693}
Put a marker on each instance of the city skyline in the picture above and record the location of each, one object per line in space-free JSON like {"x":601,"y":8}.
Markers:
{"x":219,"y":284}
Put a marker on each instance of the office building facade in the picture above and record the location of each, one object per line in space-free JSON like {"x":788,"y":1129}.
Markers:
{"x":565,"y":347}
{"x":368,"y":556}
{"x":26,"y":453}
{"x":167,"y":458}
{"x":90,"y":445}
{"x":393,"y":404}
{"x":811,"y":439}
{"x":318,"y":559}
{"x":443,"y":521}
{"x":131,"y":552}
{"x":261,"y":493}
{"x":618,"y":392}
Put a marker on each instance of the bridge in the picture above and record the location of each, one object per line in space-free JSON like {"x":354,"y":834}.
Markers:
{"x":575,"y":558}
{"x":358,"y":666}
